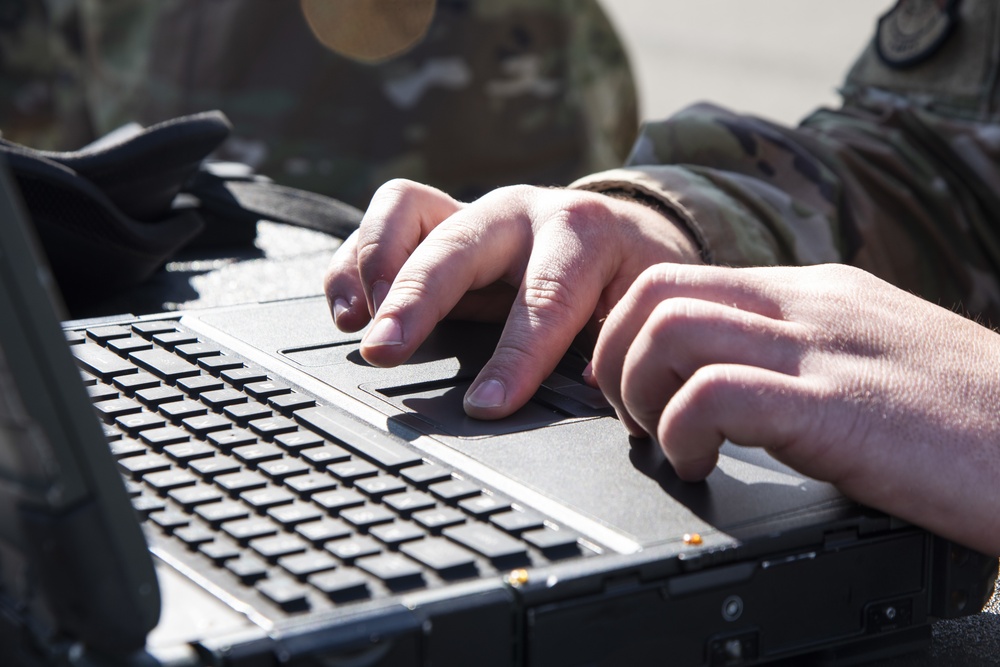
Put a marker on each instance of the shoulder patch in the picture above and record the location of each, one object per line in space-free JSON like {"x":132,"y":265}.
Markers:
{"x":913,"y":30}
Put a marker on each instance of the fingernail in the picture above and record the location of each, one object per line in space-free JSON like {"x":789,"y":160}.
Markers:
{"x":379,"y":290}
{"x":489,"y":394}
{"x":588,"y":374}
{"x":340,"y":306}
{"x":385,"y":331}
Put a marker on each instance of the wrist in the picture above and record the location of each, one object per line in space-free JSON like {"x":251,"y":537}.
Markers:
{"x":690,"y":239}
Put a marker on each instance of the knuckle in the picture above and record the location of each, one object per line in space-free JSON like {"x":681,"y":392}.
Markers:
{"x":547,"y":297}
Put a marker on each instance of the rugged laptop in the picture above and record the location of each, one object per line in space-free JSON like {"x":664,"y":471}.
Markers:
{"x":237,"y":487}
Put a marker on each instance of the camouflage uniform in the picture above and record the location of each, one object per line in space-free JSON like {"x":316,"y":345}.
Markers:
{"x":496,"y":92}
{"x":903,"y":180}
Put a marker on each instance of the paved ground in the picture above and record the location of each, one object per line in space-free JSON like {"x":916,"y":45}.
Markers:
{"x":776,"y":58}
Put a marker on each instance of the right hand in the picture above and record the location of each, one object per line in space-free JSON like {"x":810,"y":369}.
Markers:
{"x":551,"y":262}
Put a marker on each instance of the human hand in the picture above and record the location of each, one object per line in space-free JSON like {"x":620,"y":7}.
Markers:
{"x":550,"y":262}
{"x":838,"y":374}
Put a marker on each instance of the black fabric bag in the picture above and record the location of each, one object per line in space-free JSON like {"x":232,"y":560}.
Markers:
{"x":110,"y":215}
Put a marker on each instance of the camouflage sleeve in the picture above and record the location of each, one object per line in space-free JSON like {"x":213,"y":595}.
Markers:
{"x":902,"y":193}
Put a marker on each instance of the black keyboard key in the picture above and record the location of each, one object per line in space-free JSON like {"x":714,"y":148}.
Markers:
{"x":455,"y":489}
{"x":310,"y":562}
{"x":348,"y":471}
{"x":140,"y":465}
{"x":310,"y":483}
{"x":237,"y":482}
{"x":269,"y":496}
{"x":438,"y":518}
{"x":188,"y":451}
{"x":487,"y":541}
{"x":195,"y":534}
{"x":197,"y":384}
{"x":189,"y":497}
{"x":101,"y":392}
{"x":220,"y":398}
{"x":294,"y":513}
{"x":135,"y":381}
{"x":380,"y":485}
{"x":117,"y":407}
{"x":222,"y":511}
{"x":127,"y":447}
{"x":285,"y":592}
{"x":243,"y":530}
{"x":144,"y":503}
{"x":379,"y":447}
{"x":105,"y":364}
{"x":241,"y":376}
{"x":235,"y":437}
{"x":247,"y":567}
{"x":216,"y":465}
{"x":341,"y":585}
{"x":124,"y":346}
{"x":104,"y":334}
{"x":158,"y":395}
{"x":290,"y":402}
{"x":553,"y":543}
{"x":169,"y":519}
{"x":218,"y":363}
{"x":272,"y":426}
{"x":396,"y":570}
{"x":163,"y":364}
{"x":171,"y":339}
{"x":202,"y":424}
{"x":147,"y":329}
{"x":396,"y":533}
{"x":427,"y":473}
{"x":221,"y":549}
{"x":282,"y":544}
{"x":517,"y":521}
{"x":324,"y":530}
{"x":366,"y":516}
{"x":325,"y":455}
{"x":195,"y":351}
{"x":242,"y":413}
{"x":282,"y":467}
{"x":483,"y":505}
{"x":139,"y":421}
{"x":266,"y":389}
{"x":355,"y":547}
{"x":409,"y":502}
{"x":442,"y":556}
{"x":166,"y":480}
{"x":257,"y":453}
{"x":338,"y":500}
{"x":163,"y":436}
{"x":296,"y":440}
{"x":178,"y":410}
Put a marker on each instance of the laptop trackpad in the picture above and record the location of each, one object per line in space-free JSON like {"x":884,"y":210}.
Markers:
{"x":586,"y":460}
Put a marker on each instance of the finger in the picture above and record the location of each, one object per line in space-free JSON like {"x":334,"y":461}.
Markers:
{"x":562,"y":283}
{"x":399,"y":217}
{"x":345,"y":294}
{"x":681,"y":336}
{"x":733,"y":287}
{"x":471,"y":250}
{"x":752,"y":407}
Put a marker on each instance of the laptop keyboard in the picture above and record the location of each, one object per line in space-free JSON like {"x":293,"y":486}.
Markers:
{"x":259,"y":486}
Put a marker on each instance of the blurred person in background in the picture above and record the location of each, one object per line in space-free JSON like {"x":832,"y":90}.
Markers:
{"x":334,"y":97}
